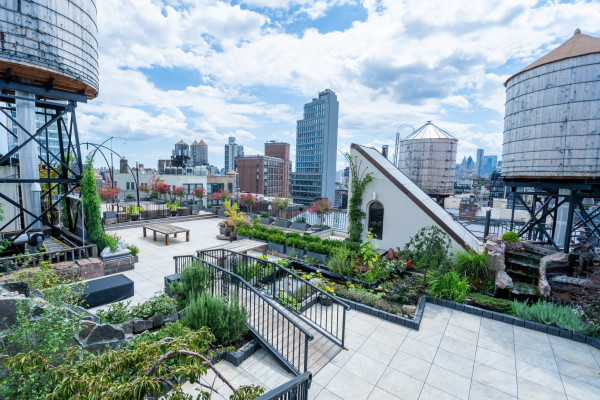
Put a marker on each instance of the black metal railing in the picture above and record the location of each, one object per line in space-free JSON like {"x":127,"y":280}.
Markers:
{"x":321,"y":310}
{"x":294,"y":389}
{"x":283,"y":337}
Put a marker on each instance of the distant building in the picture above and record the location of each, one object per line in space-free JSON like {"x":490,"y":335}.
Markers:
{"x":123,"y":168}
{"x":316,"y":148}
{"x":480,"y":162}
{"x":181,"y":154}
{"x":490,"y":164}
{"x":497,"y":188}
{"x":232,"y":150}
{"x":199,"y":153}
{"x":267,"y":175}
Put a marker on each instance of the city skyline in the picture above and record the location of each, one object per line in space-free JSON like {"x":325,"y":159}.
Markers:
{"x":176,"y":70}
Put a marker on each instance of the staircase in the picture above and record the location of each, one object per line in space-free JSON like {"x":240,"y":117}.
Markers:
{"x":293,"y":324}
{"x":524,"y":269}
{"x":54,"y":245}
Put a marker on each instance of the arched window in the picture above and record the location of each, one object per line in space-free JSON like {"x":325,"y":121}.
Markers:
{"x":376,"y":219}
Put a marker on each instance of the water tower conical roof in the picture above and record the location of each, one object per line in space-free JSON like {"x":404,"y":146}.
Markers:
{"x":429,"y":131}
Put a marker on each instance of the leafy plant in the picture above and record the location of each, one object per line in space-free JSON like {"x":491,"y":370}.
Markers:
{"x":470,"y":263}
{"x":194,"y":279}
{"x":179,"y":191}
{"x":115,"y":313}
{"x":172,"y":205}
{"x":503,"y":306}
{"x":249,"y":200}
{"x":134,"y":249}
{"x":109,"y":193}
{"x":280,"y":204}
{"x":301,"y":219}
{"x":226,"y":321}
{"x":548,"y":313}
{"x":406,"y":290}
{"x":428,"y":248}
{"x":340,"y":262}
{"x":359,"y":179}
{"x":160,"y":304}
{"x":91,"y":205}
{"x":448,"y":285}
{"x":4,"y":243}
{"x":321,"y":207}
{"x":369,"y":299}
{"x":287,"y":300}
{"x":510,"y":237}
{"x":264,"y":214}
{"x":135,"y":210}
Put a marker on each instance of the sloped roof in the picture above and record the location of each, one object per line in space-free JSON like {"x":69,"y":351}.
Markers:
{"x":429,"y":131}
{"x":194,"y":144}
{"x":181,"y":142}
{"x":202,"y":143}
{"x":578,"y":45}
{"x":458,"y":232}
{"x":232,"y":172}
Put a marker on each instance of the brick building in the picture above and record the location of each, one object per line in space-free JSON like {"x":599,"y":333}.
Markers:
{"x":268,"y":175}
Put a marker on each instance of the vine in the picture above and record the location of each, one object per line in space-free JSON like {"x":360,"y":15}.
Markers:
{"x":359,"y":179}
{"x":91,"y":205}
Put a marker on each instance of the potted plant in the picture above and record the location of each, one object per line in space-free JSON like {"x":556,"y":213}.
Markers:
{"x":300,"y":224}
{"x":276,"y":243}
{"x":144,"y":188}
{"x":235,"y":219}
{"x":326,"y":300}
{"x":248,"y":200}
{"x":280,"y":204}
{"x":134,"y":252}
{"x":134,"y":211}
{"x":199,"y":194}
{"x":321,"y":208}
{"x":282,"y":223}
{"x":265,"y":218}
{"x":173,"y":206}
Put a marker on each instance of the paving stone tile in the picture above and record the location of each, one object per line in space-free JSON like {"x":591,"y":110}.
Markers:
{"x":449,"y":382}
{"x":388,"y":337}
{"x":365,"y":367}
{"x":580,"y":390}
{"x":410,"y":365}
{"x":432,"y":393}
{"x":395,"y":327}
{"x":418,"y":349}
{"x":327,"y":395}
{"x":579,"y":372}
{"x":433,"y":324}
{"x":544,"y":359}
{"x":496,"y":329}
{"x":326,"y":374}
{"x":349,"y":386}
{"x":437,"y":312}
{"x":361,"y":326}
{"x":459,"y":347}
{"x":314,"y":390}
{"x":455,"y":363}
{"x":342,"y":357}
{"x":583,"y":357}
{"x":522,"y":331}
{"x":568,"y":343}
{"x":354,"y":340}
{"x":380,"y":394}
{"x":462,"y":334}
{"x":479,"y":391}
{"x":496,"y":360}
{"x":496,"y":345}
{"x":377,"y":351}
{"x":532,"y":342}
{"x":495,"y":378}
{"x":466,"y":321}
{"x":540,"y":376}
{"x":401,"y":385}
{"x":427,"y":336}
{"x":529,"y":390}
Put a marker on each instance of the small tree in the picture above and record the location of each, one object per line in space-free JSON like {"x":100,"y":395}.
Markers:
{"x":199,"y":193}
{"x":159,"y":187}
{"x":248,"y":200}
{"x":222,"y":195}
{"x":280,"y":204}
{"x":109,"y":193}
{"x":179,"y":192}
{"x":321,"y":207}
{"x":145,"y":188}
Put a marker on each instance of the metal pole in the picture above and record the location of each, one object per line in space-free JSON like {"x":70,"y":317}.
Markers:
{"x":514,"y":202}
{"x":569,"y":227}
{"x":137,"y":184}
{"x":486,"y":229}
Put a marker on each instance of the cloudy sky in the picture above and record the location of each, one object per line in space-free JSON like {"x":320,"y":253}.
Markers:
{"x":209,"y":69}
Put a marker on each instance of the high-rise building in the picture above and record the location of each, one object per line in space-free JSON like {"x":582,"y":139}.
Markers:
{"x":232,"y":150}
{"x":316,"y":148}
{"x":480,"y":162}
{"x":199,"y":153}
{"x":490,"y":165}
{"x":267,"y":175}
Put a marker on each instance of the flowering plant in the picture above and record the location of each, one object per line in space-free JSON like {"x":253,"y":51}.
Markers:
{"x":222,"y":195}
{"x":145,"y":188}
{"x":109,"y":193}
{"x":321,"y":207}
{"x":248,"y":200}
{"x":199,"y":193}
{"x":178,"y":191}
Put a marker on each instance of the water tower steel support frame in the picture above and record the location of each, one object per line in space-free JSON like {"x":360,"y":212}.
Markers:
{"x":67,"y":166}
{"x":546,"y":202}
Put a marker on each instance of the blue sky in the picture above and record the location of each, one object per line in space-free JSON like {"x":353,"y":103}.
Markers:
{"x":208,"y":69}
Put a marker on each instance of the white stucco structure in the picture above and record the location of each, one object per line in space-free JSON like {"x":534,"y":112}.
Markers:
{"x":406,"y":208}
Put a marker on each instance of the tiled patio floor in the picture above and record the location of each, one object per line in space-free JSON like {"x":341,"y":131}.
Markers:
{"x":456,"y":356}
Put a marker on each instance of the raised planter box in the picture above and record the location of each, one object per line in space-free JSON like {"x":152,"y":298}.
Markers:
{"x":282,"y":223}
{"x":321,"y":258}
{"x":109,"y":214}
{"x":266,"y":221}
{"x":330,"y":275}
{"x":290,"y":251}
{"x":299,"y":226}
{"x":276,"y":247}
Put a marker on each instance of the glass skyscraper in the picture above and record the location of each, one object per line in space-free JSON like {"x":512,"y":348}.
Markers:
{"x":316,"y":148}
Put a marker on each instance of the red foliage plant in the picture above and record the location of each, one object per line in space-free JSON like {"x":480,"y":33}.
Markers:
{"x":109,"y":193}
{"x":199,"y":192}
{"x":178,"y":191}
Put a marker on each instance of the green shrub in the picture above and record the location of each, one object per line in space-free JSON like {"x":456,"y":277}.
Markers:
{"x":194,"y":279}
{"x":510,"y":236}
{"x":317,"y":247}
{"x":134,"y":249}
{"x":503,"y":306}
{"x":226,"y":322}
{"x":550,"y":314}
{"x":448,"y":286}
{"x":276,"y":238}
{"x":160,"y":304}
{"x":264,"y":214}
{"x":470,"y":263}
{"x":428,"y":248}
{"x":115,"y":313}
{"x":296,"y":242}
{"x":340,"y":262}
{"x":168,"y":330}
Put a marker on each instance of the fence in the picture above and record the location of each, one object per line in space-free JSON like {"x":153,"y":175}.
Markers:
{"x":284,"y":337}
{"x":294,"y":389}
{"x":124,"y":212}
{"x":8,"y":264}
{"x":285,"y":286}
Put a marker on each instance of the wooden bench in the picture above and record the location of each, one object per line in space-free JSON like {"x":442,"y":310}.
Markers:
{"x":166,"y":229}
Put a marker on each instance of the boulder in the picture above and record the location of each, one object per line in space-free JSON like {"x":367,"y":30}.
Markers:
{"x":503,"y":281}
{"x":409,"y":309}
{"x":141,"y":325}
{"x":102,"y":336}
{"x":8,"y":309}
{"x":543,"y":283}
{"x":36,"y":293}
{"x":86,"y":329}
{"x":127,"y":327}
{"x":21,"y":287}
{"x":173,"y":317}
{"x":157,"y":321}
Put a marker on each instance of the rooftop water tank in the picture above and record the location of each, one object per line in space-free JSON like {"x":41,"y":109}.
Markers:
{"x":552,"y":119}
{"x":50,"y":43}
{"x":428,"y":157}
